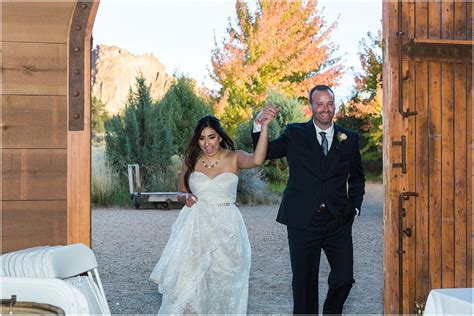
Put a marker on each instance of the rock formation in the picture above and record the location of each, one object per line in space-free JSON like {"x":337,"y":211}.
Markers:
{"x":114,"y":71}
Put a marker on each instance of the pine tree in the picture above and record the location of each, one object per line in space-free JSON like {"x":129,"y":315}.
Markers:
{"x":99,"y":115}
{"x":131,"y":137}
{"x":179,"y":111}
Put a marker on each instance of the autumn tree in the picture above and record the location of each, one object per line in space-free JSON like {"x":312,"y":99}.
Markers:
{"x":363,"y":112}
{"x":282,"y":45}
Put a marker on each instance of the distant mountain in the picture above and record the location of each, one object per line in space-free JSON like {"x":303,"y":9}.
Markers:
{"x":114,"y":71}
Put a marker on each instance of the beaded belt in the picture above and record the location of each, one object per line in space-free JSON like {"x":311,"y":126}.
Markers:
{"x":222,"y":204}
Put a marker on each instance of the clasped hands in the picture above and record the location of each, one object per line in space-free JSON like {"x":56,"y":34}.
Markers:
{"x":267,"y":114}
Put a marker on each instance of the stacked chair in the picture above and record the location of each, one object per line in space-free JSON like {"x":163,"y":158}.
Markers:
{"x":63,"y":276}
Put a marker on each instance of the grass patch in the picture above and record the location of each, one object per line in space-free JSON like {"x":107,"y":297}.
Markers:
{"x":106,"y":187}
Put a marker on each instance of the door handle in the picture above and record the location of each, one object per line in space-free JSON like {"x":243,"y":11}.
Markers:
{"x":403,"y":196}
{"x":402,"y":142}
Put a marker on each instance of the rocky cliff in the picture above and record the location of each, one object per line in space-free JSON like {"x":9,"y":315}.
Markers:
{"x":114,"y":71}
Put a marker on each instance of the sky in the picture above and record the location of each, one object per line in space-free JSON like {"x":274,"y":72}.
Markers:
{"x":180,"y":33}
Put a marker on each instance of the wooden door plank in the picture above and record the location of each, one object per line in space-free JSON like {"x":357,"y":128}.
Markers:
{"x":391,"y":154}
{"x":469,"y":174}
{"x":469,"y":19}
{"x":36,"y":21}
{"x":434,"y":143}
{"x":434,"y":19}
{"x":421,"y":14}
{"x":41,"y":73}
{"x":422,"y":181}
{"x":34,"y":174}
{"x":410,"y":15}
{"x":34,"y":121}
{"x":447,"y":19}
{"x":409,"y":185}
{"x":408,"y":22}
{"x":460,"y":176}
{"x":33,"y":223}
{"x":447,"y":176}
{"x":460,"y":20}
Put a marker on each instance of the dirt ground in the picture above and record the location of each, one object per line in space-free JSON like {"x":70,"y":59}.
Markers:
{"x":128,"y":243}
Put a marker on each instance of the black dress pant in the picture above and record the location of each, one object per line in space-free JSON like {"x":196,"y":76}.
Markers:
{"x":324,"y":233}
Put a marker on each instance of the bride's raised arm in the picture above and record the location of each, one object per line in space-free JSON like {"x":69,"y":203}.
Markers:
{"x":246,"y":160}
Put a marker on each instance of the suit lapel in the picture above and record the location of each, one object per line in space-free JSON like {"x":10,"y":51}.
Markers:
{"x":311,"y":135}
{"x":315,"y":147}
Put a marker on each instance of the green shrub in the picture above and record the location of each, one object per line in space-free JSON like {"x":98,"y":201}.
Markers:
{"x":252,"y":190}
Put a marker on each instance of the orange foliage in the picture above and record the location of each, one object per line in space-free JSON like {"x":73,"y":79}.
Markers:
{"x":283,"y":45}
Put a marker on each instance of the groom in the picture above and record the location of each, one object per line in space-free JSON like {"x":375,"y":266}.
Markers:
{"x":323,"y":195}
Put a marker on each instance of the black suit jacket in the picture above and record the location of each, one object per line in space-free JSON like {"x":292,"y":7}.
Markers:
{"x":337,"y":180}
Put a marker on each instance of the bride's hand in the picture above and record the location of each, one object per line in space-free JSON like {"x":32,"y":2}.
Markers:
{"x":267,"y":114}
{"x":191,"y":199}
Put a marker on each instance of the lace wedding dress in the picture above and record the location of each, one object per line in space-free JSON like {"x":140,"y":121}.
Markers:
{"x":205,"y":265}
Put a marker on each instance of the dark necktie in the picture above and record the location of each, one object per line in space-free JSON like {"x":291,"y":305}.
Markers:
{"x":324,"y":143}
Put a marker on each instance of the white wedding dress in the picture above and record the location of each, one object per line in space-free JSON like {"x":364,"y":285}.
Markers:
{"x":205,"y":265}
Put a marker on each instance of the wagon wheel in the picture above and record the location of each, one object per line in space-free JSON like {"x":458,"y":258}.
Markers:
{"x":136,"y":202}
{"x":161,"y":205}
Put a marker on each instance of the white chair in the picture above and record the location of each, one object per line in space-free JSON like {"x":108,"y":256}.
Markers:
{"x":61,"y":262}
{"x":55,"y":292}
{"x":68,"y":262}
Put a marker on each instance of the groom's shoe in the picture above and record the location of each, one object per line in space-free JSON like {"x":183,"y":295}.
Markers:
{"x":335,"y":299}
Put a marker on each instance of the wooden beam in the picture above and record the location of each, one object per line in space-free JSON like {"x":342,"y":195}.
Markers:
{"x":79,"y":155}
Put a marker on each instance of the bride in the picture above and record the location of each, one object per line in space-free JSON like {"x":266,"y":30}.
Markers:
{"x":205,"y":265}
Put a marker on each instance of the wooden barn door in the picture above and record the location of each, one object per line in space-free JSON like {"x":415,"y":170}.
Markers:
{"x":427,"y":150}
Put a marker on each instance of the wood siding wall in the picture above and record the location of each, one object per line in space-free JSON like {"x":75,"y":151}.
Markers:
{"x":438,"y":254}
{"x":34,"y":123}
{"x":45,"y":196}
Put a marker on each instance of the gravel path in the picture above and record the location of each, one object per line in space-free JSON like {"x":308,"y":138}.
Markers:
{"x":128,"y":243}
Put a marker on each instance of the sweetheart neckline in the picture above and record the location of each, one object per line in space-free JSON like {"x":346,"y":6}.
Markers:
{"x":220,"y":174}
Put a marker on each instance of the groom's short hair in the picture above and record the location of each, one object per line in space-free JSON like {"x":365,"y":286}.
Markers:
{"x":319,"y":87}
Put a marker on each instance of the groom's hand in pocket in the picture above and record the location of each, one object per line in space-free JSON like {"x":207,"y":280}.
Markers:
{"x":356,"y":213}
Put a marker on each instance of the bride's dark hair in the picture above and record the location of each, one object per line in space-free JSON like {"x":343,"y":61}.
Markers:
{"x":193,"y":151}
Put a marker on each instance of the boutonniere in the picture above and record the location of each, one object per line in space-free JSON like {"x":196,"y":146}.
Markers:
{"x":340,"y":137}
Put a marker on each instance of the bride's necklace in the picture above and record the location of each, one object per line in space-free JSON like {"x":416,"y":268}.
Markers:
{"x":211,"y":165}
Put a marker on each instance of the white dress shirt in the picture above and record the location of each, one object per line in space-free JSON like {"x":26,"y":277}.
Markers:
{"x":329,"y":134}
